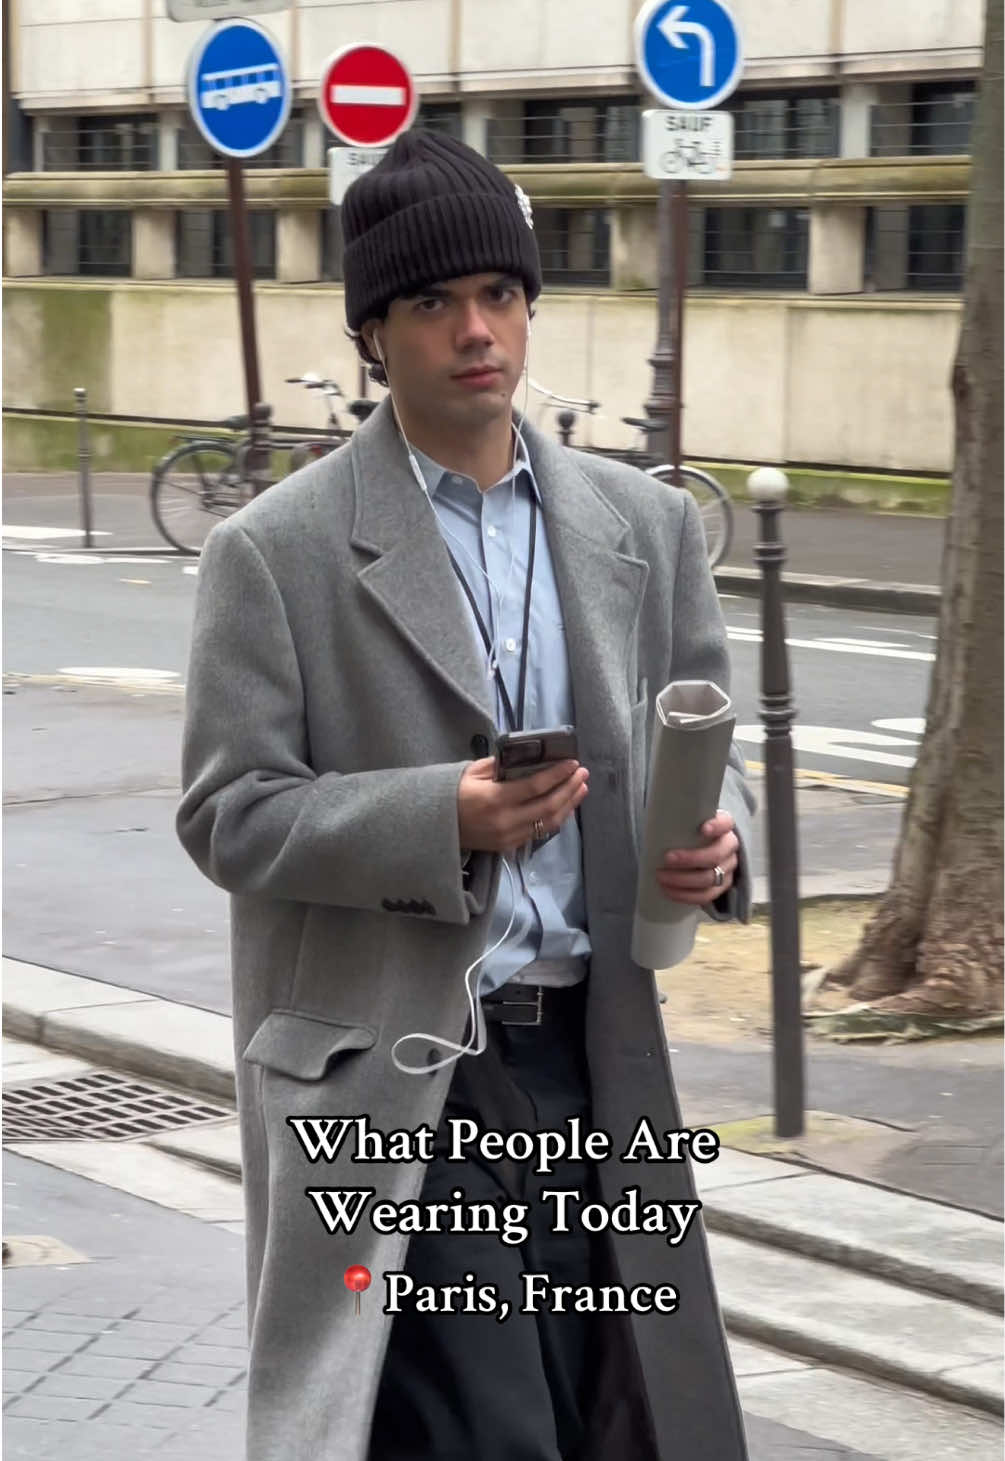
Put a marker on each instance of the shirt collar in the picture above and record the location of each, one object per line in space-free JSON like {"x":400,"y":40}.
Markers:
{"x":434,"y":474}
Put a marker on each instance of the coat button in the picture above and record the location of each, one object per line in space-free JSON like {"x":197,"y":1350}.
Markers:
{"x":479,"y":746}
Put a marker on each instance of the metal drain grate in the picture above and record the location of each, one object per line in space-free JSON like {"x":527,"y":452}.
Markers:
{"x":99,"y":1104}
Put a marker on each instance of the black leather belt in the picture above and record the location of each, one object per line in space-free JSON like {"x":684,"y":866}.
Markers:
{"x":529,"y":1004}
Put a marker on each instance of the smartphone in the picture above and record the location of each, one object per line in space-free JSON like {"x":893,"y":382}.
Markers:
{"x":521,"y":753}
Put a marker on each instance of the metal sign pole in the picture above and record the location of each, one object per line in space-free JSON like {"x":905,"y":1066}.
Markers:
{"x":241,"y":245}
{"x":680,"y":253}
{"x":659,"y":407}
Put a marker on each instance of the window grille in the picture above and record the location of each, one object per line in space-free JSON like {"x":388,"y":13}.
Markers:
{"x":756,"y":248}
{"x":793,"y":125}
{"x":575,"y":246}
{"x":104,"y":143}
{"x":936,"y":122}
{"x":204,"y":248}
{"x":555,"y":130}
{"x":91,"y":242}
{"x":444,"y":117}
{"x":287,"y":150}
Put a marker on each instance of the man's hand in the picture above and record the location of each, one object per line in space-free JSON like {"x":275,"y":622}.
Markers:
{"x":499,"y":816}
{"x":689,"y":876}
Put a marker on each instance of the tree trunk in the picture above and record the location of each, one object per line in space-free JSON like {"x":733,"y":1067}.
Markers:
{"x":934,"y":947}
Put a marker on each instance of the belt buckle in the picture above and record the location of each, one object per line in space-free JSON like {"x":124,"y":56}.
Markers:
{"x":537,"y":1005}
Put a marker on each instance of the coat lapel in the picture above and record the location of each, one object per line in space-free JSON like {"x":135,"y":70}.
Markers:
{"x":601,"y":589}
{"x":411,"y":577}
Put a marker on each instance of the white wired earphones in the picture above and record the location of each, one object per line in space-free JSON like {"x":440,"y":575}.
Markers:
{"x":476,"y":1041}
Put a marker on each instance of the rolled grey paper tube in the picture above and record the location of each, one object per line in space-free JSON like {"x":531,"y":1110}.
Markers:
{"x":692,"y":732}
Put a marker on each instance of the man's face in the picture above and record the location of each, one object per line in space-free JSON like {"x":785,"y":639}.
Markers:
{"x":455,"y":352}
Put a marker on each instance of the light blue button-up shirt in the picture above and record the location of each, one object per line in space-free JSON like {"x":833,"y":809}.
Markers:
{"x":487,"y":533}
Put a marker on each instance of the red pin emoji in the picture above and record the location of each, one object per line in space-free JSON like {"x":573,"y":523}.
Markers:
{"x":357,"y":1278}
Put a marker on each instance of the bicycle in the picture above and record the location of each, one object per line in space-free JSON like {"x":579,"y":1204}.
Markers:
{"x":713,"y":500}
{"x":207,"y":478}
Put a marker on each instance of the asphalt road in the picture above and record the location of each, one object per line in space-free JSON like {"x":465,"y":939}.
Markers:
{"x":860,"y":679}
{"x":884,"y":547}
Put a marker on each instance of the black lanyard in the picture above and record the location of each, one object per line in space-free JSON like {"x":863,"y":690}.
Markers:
{"x":515,"y":721}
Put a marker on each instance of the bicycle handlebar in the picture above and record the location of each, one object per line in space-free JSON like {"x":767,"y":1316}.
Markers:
{"x":588,"y":406}
{"x":315,"y":383}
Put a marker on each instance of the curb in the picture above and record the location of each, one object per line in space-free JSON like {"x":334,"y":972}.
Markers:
{"x":851,"y":593}
{"x":192,"y":1048}
{"x":873,"y":1261}
{"x":779,"y":1335}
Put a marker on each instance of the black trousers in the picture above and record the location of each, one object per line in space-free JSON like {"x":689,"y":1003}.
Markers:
{"x":534,"y":1387}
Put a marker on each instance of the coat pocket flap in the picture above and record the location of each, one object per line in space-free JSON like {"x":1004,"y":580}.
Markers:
{"x":304,"y":1045}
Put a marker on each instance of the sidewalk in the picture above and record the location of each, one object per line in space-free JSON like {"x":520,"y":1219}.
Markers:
{"x":867,"y":1317}
{"x":835,"y":555}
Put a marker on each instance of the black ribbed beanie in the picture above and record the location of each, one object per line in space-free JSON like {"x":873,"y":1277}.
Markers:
{"x":432,"y":209}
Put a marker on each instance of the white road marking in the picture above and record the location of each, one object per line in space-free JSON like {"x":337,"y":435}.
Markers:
{"x":871,"y":643}
{"x":27,"y":532}
{"x":66,"y":558}
{"x":912,"y":726}
{"x":753,"y":636}
{"x":840,"y":743}
{"x":118,"y":674}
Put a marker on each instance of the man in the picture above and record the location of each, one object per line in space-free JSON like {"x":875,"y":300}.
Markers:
{"x":363,"y":632}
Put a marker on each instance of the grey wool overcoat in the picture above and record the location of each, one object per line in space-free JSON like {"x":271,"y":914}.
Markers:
{"x":335,"y":693}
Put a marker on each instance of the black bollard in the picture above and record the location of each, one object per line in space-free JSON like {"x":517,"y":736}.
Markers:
{"x":84,"y":465}
{"x":566,"y":421}
{"x":259,"y":453}
{"x":769,"y":488}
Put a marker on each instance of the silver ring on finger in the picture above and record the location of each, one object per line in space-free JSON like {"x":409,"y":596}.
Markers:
{"x":539,"y":831}
{"x":718,"y":876}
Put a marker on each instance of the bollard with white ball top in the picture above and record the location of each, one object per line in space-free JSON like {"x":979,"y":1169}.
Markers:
{"x":769,"y":488}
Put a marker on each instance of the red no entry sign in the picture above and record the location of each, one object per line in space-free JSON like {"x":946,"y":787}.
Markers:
{"x":367,"y":96}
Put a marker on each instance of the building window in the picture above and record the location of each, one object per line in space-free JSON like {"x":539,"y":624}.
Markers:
{"x":204,"y":244}
{"x":920,"y":246}
{"x":444,"y":117}
{"x":287,"y":150}
{"x":936,"y":246}
{"x":93,"y":242}
{"x":942,"y":117}
{"x":575,"y":245}
{"x":106,"y":143}
{"x":794,"y":125}
{"x":937,"y":121}
{"x":331,"y":245}
{"x":756,"y":248}
{"x":556,"y":130}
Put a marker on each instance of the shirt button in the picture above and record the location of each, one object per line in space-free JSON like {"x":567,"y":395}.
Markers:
{"x":511,"y":645}
{"x":491,"y":532}
{"x":532,"y":878}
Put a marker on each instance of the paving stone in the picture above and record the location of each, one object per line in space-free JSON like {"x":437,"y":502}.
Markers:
{"x":175,"y":1313}
{"x":148,"y":1329}
{"x":104,"y":1366}
{"x":38,"y":1407}
{"x":234,"y":1399}
{"x":194,"y":1374}
{"x":124,"y":1346}
{"x":55,"y":1323}
{"x":48,"y":1340}
{"x":211,"y":1354}
{"x":14,"y":1381}
{"x":37,"y":1361}
{"x":123,"y":1412}
{"x":153,"y":1392}
{"x":79,"y":1387}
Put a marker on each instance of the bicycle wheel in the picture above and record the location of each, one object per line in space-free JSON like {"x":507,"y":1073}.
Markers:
{"x":192,"y":489}
{"x":713,"y":503}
